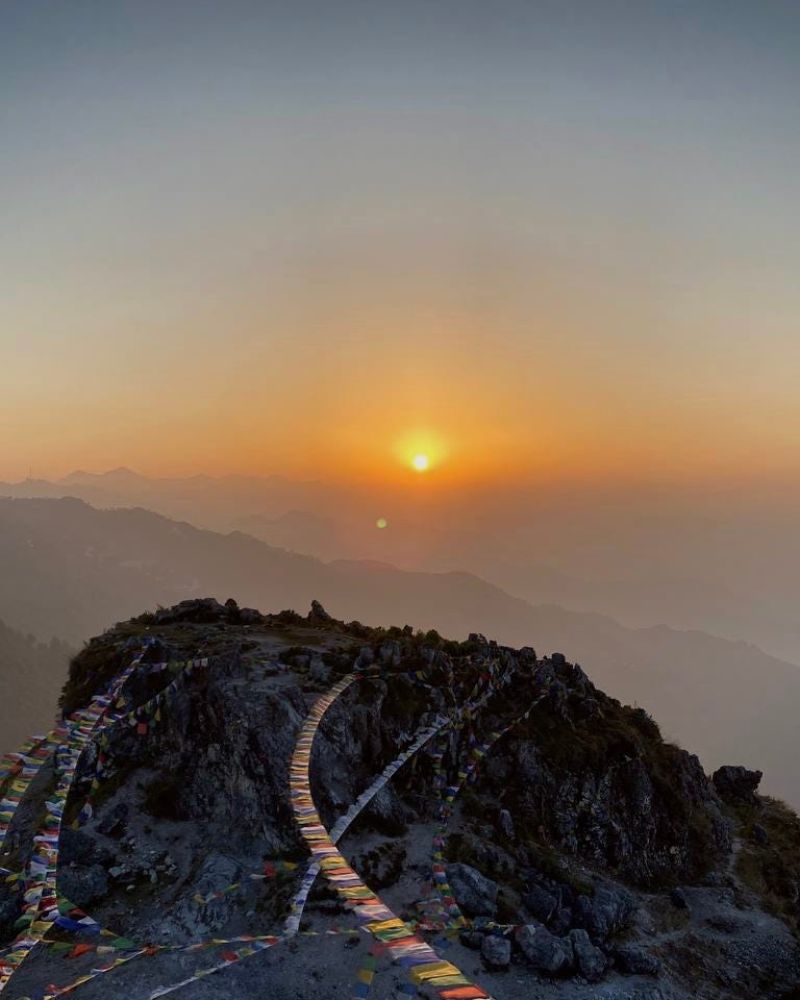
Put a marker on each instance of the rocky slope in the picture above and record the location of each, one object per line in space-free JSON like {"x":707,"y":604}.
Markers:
{"x":580,"y":854}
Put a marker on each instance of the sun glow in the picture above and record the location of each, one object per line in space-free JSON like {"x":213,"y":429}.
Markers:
{"x":419,"y":452}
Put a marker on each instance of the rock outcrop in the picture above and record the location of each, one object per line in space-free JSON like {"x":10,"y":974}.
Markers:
{"x":737,"y":784}
{"x":572,"y":828}
{"x":474,"y":893}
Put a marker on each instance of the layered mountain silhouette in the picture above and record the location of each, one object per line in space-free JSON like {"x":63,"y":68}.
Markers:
{"x":723,"y":562}
{"x":71,"y":570}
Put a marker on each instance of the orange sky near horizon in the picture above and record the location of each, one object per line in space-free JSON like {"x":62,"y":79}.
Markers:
{"x":353,"y":394}
{"x":529,"y":246}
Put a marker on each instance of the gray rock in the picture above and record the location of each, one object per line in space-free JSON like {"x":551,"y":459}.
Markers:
{"x":737,"y":784}
{"x":496,"y":951}
{"x":546,"y":952}
{"x":561,"y":921}
{"x":198,"y":609}
{"x":604,"y":914}
{"x":506,"y":823}
{"x":387,"y":813}
{"x":636,"y":960}
{"x":318,"y":613}
{"x":590,"y":960}
{"x":474,"y":893}
{"x":82,"y":886}
{"x":78,"y":847}
{"x":114,"y":822}
{"x":542,"y":904}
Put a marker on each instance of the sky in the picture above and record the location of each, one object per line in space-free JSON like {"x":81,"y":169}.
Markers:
{"x":535,"y":241}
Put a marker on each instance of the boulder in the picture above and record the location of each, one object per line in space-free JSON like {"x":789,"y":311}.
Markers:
{"x":120,"y":873}
{"x":542,"y":904}
{"x":605,"y":913}
{"x":736,"y":784}
{"x":591,"y":962}
{"x":80,"y":848}
{"x":82,"y":886}
{"x":197,"y":609}
{"x":113,"y":824}
{"x":546,"y":952}
{"x":496,"y":951}
{"x":318,"y":613}
{"x":387,"y":813}
{"x":474,"y":893}
{"x":561,"y":921}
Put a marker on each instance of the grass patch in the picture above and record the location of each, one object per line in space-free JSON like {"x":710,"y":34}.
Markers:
{"x":771,"y":870}
{"x":90,"y":671}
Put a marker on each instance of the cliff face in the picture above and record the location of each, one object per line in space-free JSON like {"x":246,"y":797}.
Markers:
{"x":543,"y":835}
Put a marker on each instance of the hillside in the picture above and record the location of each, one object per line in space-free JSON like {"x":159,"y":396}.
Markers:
{"x":29,"y":671}
{"x":72,"y":570}
{"x":302,"y":805}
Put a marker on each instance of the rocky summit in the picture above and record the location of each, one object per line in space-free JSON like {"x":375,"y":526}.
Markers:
{"x":245,"y":805}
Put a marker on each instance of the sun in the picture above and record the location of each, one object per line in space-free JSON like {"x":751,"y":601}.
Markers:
{"x":420,"y":452}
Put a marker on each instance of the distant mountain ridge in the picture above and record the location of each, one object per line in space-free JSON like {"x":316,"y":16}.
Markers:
{"x":71,"y":570}
{"x":707,"y":562}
